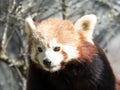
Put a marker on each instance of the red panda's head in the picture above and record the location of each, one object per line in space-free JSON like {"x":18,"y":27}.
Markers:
{"x":53,"y":41}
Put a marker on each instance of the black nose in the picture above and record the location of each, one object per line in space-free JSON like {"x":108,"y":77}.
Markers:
{"x":47,"y":62}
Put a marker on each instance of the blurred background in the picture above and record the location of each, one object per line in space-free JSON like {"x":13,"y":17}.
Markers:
{"x":13,"y":46}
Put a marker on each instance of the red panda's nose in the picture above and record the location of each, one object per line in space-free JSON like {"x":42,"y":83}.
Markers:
{"x":47,"y":62}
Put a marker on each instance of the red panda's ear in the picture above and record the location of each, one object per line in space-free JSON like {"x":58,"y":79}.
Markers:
{"x":86,"y":25}
{"x":30,"y":26}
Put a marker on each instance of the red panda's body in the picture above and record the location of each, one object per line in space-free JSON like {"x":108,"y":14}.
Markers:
{"x":76,"y":76}
{"x":69,"y":61}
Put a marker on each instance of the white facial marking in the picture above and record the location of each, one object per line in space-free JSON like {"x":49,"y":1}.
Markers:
{"x":54,"y":43}
{"x":71,"y":52}
{"x":55,"y":57}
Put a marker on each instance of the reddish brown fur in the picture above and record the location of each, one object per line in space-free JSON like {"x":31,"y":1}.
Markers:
{"x":65,"y":56}
{"x":87,"y":51}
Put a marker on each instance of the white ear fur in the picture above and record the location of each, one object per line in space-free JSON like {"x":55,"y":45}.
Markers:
{"x":86,"y":24}
{"x":30,"y":27}
{"x":29,"y":24}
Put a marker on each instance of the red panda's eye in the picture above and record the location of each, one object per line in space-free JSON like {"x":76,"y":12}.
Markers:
{"x":56,"y":49}
{"x":40,"y":49}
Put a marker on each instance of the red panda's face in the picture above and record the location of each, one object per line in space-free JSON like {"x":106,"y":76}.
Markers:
{"x":51,"y":54}
{"x":53,"y":42}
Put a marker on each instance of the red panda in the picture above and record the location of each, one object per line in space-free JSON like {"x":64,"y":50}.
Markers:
{"x":63,"y":56}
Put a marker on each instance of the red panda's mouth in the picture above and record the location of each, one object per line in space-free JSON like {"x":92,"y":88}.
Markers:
{"x":52,"y":68}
